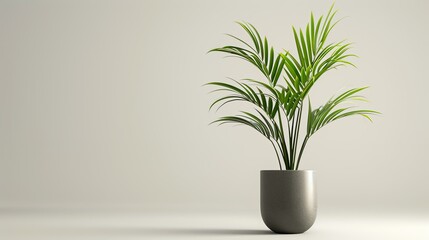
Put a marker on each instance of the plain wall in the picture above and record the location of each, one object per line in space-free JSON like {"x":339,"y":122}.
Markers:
{"x":102,"y":105}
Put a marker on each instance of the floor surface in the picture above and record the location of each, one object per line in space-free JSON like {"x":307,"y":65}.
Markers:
{"x":139,"y":225}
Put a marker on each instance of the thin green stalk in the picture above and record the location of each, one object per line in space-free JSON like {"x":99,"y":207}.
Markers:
{"x":278,"y":158}
{"x":301,"y":151}
{"x":289,"y":131}
{"x":283,"y":143}
{"x":298,"y":126}
{"x":291,"y":140}
{"x":285,"y":155}
{"x":280,"y":148}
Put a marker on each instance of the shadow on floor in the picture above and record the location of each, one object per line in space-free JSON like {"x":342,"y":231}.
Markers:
{"x":208,"y":231}
{"x":174,"y":231}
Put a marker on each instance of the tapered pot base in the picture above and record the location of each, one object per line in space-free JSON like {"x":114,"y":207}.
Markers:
{"x":288,"y":200}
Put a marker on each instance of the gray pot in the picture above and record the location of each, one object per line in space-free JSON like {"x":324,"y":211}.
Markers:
{"x":288,"y":200}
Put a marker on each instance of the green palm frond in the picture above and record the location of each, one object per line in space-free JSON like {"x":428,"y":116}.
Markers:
{"x":279,"y":105}
{"x":260,"y":55}
{"x":244,"y":92}
{"x":314,"y":58}
{"x":329,"y":112}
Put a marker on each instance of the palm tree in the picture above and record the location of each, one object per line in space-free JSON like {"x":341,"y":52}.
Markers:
{"x":279,"y":104}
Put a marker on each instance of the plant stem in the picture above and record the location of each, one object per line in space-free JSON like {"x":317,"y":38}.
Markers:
{"x":298,"y":126}
{"x":278,"y":158}
{"x":302,"y":150}
{"x":282,"y":141}
{"x":291,"y":140}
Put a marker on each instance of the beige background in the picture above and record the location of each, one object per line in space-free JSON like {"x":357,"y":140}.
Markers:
{"x":102,"y":105}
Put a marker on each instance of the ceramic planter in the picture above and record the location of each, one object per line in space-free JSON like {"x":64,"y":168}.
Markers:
{"x":288,"y":200}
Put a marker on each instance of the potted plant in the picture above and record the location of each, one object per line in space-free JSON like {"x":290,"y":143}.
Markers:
{"x":282,"y":107}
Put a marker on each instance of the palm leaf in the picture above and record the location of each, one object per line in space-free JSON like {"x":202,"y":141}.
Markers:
{"x":330,"y":112}
{"x":261,"y":55}
{"x":278,"y":106}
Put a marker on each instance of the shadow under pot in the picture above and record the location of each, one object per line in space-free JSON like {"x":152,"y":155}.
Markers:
{"x":288,"y":200}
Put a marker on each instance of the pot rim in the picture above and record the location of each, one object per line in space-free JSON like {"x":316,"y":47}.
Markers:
{"x":303,"y":170}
